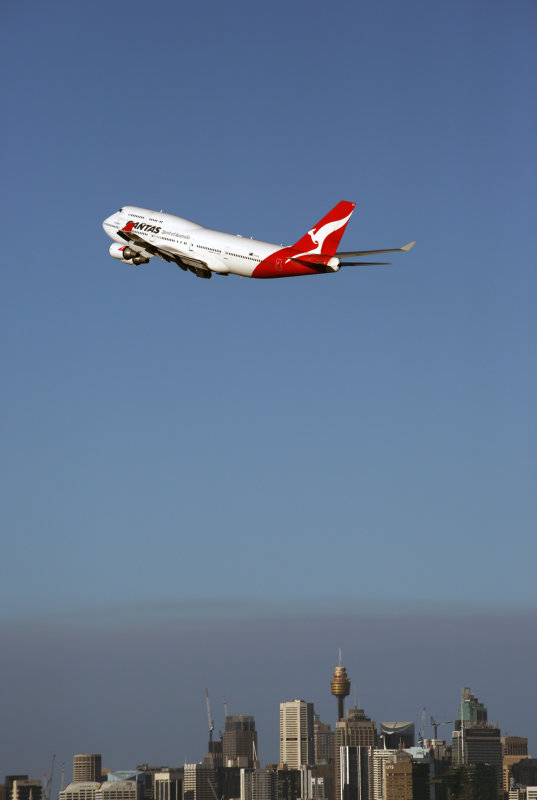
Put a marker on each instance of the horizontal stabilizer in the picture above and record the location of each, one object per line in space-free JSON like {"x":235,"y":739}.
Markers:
{"x":364,"y":263}
{"x":354,"y":253}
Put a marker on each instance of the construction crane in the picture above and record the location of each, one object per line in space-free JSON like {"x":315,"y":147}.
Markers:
{"x":47,"y":780}
{"x":422,"y":727}
{"x":435,"y":725}
{"x":211,"y":723}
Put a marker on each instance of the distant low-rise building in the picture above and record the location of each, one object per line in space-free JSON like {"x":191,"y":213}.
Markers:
{"x":119,"y":790}
{"x":80,"y":790}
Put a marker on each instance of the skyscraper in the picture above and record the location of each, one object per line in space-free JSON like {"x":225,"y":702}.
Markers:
{"x":474,"y":741}
{"x":87,"y":767}
{"x":169,"y":784}
{"x":296,"y":734}
{"x":199,"y":782}
{"x":25,"y":789}
{"x":399,"y":780}
{"x":259,"y":784}
{"x":471,"y":712}
{"x":377,"y":771}
{"x":239,"y":741}
{"x":324,"y":740}
{"x":353,"y":777}
{"x":355,"y":730}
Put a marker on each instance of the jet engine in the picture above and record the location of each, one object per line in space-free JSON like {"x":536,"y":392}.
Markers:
{"x":127,"y":254}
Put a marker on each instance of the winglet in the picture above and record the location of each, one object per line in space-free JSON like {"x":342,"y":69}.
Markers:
{"x":408,"y":246}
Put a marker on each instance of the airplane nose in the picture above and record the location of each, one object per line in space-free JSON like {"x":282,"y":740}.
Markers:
{"x":107,"y":223}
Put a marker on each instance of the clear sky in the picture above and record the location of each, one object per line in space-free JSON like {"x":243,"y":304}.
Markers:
{"x":241,"y":455}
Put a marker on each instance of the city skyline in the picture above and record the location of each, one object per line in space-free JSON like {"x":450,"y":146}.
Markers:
{"x":219,"y":483}
{"x":372,"y":759}
{"x":168,"y":693}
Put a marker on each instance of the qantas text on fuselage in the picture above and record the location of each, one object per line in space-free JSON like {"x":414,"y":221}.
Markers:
{"x":139,"y":234}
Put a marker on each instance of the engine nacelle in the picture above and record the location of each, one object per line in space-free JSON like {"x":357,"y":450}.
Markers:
{"x":127,"y":254}
{"x":118,"y":251}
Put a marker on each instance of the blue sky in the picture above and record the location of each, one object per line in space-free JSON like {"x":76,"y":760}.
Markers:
{"x":242,"y":449}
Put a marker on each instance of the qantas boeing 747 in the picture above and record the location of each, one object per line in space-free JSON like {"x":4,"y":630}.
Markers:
{"x":139,"y":234}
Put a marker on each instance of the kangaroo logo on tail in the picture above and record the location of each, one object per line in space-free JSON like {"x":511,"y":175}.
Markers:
{"x":326,"y":235}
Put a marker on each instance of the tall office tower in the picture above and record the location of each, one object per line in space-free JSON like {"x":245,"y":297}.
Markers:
{"x":214,"y":757}
{"x":507,"y":769}
{"x":149,"y":773}
{"x":514,"y":746}
{"x":398,"y":781}
{"x":168,"y":784}
{"x":10,"y":780}
{"x":525,"y":772}
{"x":239,"y":742}
{"x":322,"y":781}
{"x":289,"y":783}
{"x":353,"y":777}
{"x":377,"y":771}
{"x":324,"y":741}
{"x":355,"y":730}
{"x":87,"y":767}
{"x":259,"y":784}
{"x":470,"y":712}
{"x":296,"y":734}
{"x":25,"y":789}
{"x":397,"y":734}
{"x":479,"y":744}
{"x":340,"y":686}
{"x":199,"y":782}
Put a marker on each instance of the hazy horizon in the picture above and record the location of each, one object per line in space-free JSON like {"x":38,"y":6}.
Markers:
{"x":218,"y":483}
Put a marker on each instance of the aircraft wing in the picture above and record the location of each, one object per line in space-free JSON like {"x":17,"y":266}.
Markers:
{"x":183,"y":260}
{"x":354,"y":253}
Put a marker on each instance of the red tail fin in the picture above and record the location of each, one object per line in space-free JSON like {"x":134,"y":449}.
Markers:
{"x":326,"y":235}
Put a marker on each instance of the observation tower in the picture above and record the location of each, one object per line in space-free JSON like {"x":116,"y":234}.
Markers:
{"x":340,"y":686}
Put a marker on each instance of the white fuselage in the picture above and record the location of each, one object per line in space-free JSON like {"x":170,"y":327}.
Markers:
{"x":223,"y":253}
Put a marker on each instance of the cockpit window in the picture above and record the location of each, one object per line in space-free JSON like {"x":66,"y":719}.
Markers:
{"x":120,"y":210}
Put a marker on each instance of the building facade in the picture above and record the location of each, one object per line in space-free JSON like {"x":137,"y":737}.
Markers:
{"x":398,"y":781}
{"x":87,"y":767}
{"x":378,"y":758}
{"x":199,"y":782}
{"x":296,"y":734}
{"x":79,"y":790}
{"x":355,"y":730}
{"x":168,"y":784}
{"x":324,"y":741}
{"x":239,"y":742}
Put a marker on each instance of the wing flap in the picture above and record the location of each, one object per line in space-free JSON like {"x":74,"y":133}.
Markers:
{"x":195,"y":265}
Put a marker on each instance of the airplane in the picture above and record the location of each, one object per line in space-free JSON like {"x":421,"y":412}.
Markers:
{"x":139,"y":234}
